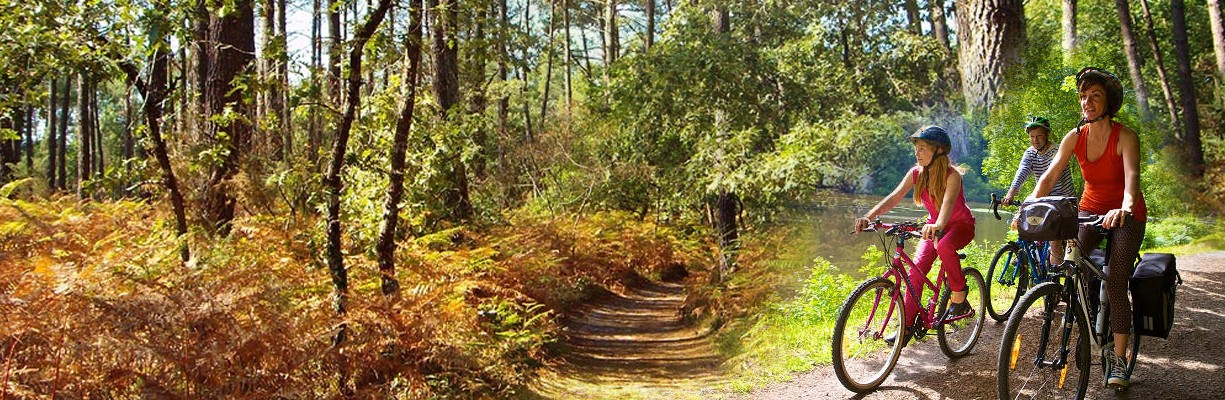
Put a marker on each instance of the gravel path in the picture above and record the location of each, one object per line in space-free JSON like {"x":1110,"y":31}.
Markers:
{"x":1188,"y":365}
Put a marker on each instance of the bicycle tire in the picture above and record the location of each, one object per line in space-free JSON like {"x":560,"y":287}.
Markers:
{"x":959,"y":337}
{"x":859,"y":335}
{"x":1034,"y":326}
{"x":1004,"y":290}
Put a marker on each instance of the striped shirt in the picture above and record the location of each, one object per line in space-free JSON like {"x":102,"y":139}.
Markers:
{"x":1036,"y":163}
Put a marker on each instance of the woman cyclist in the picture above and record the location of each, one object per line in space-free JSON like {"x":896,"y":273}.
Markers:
{"x":1036,"y":160}
{"x":1109,"y":157}
{"x":949,"y":227}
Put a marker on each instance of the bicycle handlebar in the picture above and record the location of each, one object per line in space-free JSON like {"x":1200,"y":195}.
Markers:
{"x":906,"y":228}
{"x":995,"y":205}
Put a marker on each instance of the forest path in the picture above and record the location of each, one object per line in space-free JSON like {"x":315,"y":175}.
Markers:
{"x":636,"y":340}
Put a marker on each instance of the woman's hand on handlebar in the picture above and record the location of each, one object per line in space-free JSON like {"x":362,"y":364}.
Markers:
{"x":1114,"y":218}
{"x":1007,"y":200}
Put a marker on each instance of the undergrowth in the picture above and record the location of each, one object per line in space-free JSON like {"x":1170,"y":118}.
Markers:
{"x":97,"y":305}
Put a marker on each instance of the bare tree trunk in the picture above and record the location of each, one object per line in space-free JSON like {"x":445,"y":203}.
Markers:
{"x":331,"y":180}
{"x":52,"y":105}
{"x":335,"y":43}
{"x":548,"y":70}
{"x":565,"y":9}
{"x":1218,"y":36}
{"x":611,"y":39}
{"x":231,"y":52}
{"x":29,"y":125}
{"x":84,"y":136}
{"x":1069,"y":27}
{"x":1190,"y":140}
{"x":1134,"y":64}
{"x":727,"y":201}
{"x":648,"y":41}
{"x":99,"y":153}
{"x":527,"y":111}
{"x":479,"y":100}
{"x":395,"y":187}
{"x":1165,"y":82}
{"x":503,"y":72}
{"x":129,"y":140}
{"x":313,"y":142}
{"x":912,"y":16}
{"x":446,"y":89}
{"x":990,"y":36}
{"x":61,"y":179}
{"x":940,"y":28}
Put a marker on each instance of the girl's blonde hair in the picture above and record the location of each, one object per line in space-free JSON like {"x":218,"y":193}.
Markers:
{"x":934,"y":176}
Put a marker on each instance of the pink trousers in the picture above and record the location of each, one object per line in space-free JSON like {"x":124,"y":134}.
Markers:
{"x":956,"y":237}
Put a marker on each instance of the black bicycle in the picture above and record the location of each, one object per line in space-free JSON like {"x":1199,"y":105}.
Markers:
{"x":1045,"y":351}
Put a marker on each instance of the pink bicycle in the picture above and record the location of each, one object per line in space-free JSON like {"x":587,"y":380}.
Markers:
{"x":871,"y":331}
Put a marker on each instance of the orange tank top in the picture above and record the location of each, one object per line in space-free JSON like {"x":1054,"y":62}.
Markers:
{"x":1104,"y":178}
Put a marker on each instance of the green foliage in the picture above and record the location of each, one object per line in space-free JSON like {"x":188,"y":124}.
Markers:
{"x":1174,"y":231}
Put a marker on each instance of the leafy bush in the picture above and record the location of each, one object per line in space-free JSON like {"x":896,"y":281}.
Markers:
{"x":1173,"y":231}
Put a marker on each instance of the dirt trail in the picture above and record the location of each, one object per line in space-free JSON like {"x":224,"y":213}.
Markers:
{"x":633,"y":337}
{"x":1188,"y":365}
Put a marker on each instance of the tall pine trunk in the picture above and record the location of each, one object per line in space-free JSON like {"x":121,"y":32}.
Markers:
{"x":231,"y":53}
{"x":85,"y":136}
{"x":1157,"y":58}
{"x":445,"y":51}
{"x":990,"y":35}
{"x":52,"y":142}
{"x":912,"y":16}
{"x":1069,"y":28}
{"x":940,"y":28}
{"x":1218,"y":36}
{"x":1134,"y":65}
{"x":61,"y":179}
{"x":395,"y":187}
{"x":1190,"y":140}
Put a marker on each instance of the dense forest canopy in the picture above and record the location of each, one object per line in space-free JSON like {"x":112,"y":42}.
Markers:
{"x":376,"y":131}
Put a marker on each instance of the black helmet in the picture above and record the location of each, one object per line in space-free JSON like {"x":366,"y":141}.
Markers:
{"x":1114,"y":88}
{"x":934,"y":134}
{"x":1038,"y":121}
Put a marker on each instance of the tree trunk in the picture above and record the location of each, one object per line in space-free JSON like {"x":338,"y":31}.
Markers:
{"x":395,"y":186}
{"x":523,"y":74}
{"x":548,"y":70}
{"x":96,"y":126}
{"x":648,"y":41}
{"x":61,"y":179}
{"x":155,"y":91}
{"x":503,"y":71}
{"x":1157,"y":57}
{"x":1218,"y":36}
{"x":479,"y":101}
{"x":1069,"y":27}
{"x":940,"y":28}
{"x":231,"y":52}
{"x":52,"y":151}
{"x":912,"y":16}
{"x":335,"y":43}
{"x":332,"y":181}
{"x":445,"y":50}
{"x":313,"y":140}
{"x":1134,"y":64}
{"x":994,"y":33}
{"x":84,"y":136}
{"x":1190,"y":140}
{"x":565,"y":10}
{"x":611,"y":39}
{"x":29,"y":125}
{"x":280,"y":88}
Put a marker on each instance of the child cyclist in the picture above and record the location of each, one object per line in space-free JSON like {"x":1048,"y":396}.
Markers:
{"x":950,"y":226}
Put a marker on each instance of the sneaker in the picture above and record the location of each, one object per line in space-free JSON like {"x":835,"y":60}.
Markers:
{"x":957,"y":310}
{"x":1117,"y":378}
{"x":892,"y":337}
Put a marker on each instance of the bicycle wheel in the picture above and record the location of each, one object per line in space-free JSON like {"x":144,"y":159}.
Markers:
{"x":1007,"y":279}
{"x":862,"y":359}
{"x":959,"y":336}
{"x":1030,"y":365}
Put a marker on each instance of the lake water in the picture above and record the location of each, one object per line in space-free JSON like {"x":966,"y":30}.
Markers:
{"x":822,"y":229}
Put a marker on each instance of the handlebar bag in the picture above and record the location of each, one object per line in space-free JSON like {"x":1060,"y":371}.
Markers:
{"x":1048,"y":218}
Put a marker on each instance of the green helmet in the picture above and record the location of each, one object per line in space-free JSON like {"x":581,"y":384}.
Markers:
{"x":1038,"y":121}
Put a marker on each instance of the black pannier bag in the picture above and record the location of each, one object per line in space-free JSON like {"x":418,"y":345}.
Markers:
{"x":1048,"y":218}
{"x":1153,"y":286}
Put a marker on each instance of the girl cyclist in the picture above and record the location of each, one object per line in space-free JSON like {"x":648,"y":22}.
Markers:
{"x":937,"y":187}
{"x":1109,"y":157}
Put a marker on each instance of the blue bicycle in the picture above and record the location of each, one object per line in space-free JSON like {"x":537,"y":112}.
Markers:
{"x":1016,"y":266}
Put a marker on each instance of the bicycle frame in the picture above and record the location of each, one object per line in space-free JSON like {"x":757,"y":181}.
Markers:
{"x":899,"y":266}
{"x":1036,"y":253}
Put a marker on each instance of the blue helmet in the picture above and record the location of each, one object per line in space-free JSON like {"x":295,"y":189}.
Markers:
{"x":935,"y":135}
